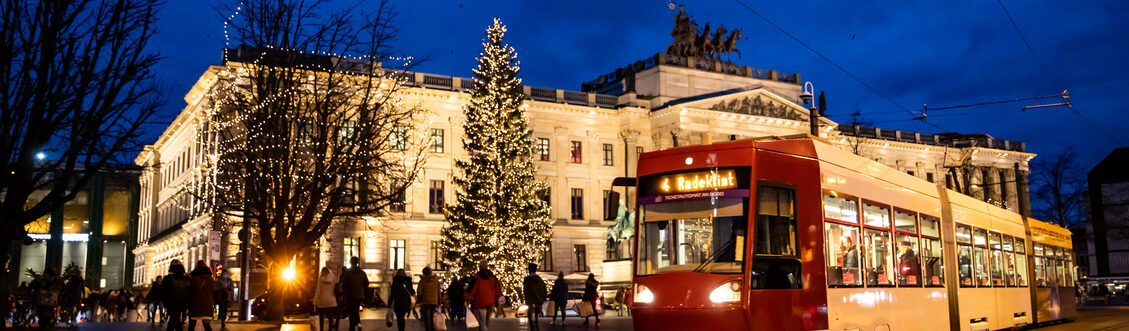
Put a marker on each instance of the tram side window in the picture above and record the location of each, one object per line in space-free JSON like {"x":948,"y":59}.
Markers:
{"x":776,"y":264}
{"x":1040,"y":266}
{"x":840,"y":208}
{"x":996,"y":257}
{"x":876,"y":216}
{"x":930,"y":226}
{"x":877,"y":261}
{"x":842,"y":255}
{"x":964,"y":252}
{"x":1059,"y":269}
{"x":932,"y":262}
{"x":1020,"y":262}
{"x":905,"y":222}
{"x":980,"y":256}
{"x":909,"y":266}
{"x":1009,"y":261}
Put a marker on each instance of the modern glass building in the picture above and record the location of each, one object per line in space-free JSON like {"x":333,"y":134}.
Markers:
{"x":95,"y":231}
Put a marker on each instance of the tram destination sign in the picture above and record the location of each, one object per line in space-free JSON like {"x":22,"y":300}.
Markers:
{"x":696,"y":184}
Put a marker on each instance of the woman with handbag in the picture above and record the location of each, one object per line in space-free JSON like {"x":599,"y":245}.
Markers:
{"x":325,"y":299}
{"x":558,"y":298}
{"x":590,"y":294}
{"x":400,"y":297}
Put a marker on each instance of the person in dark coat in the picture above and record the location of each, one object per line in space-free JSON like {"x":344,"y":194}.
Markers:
{"x":201,"y":306}
{"x":176,"y":292}
{"x":223,"y":294}
{"x":590,"y":287}
{"x":850,"y":254}
{"x":153,"y":302}
{"x":559,"y":296}
{"x":455,"y":302}
{"x":400,"y":297}
{"x":354,"y":283}
{"x":533,"y":287}
{"x":909,"y":269}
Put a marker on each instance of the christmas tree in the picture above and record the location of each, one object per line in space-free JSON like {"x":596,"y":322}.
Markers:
{"x":497,"y":215}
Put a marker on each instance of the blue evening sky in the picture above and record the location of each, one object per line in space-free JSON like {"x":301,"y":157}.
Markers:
{"x":939,"y":53}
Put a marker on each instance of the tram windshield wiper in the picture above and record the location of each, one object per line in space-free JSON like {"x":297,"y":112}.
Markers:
{"x":713,"y":256}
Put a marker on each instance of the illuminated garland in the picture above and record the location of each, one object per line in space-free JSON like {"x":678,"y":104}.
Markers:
{"x":498,"y":215}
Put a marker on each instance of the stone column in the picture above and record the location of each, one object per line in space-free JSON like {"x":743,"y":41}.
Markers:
{"x":562,"y":156}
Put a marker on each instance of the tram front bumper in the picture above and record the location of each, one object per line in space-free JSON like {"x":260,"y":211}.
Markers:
{"x":712,"y":319}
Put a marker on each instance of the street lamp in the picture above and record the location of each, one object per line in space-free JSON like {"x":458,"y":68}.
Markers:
{"x":813,"y":115}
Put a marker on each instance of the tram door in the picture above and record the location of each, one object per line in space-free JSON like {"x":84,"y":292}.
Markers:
{"x":785,"y":278}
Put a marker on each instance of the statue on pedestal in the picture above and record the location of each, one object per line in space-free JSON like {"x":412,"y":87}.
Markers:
{"x":688,"y":42}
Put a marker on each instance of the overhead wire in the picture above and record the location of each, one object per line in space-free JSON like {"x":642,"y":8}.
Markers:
{"x":825,"y":58}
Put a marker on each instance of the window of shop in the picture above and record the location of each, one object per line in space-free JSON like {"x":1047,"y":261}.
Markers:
{"x":113,"y":264}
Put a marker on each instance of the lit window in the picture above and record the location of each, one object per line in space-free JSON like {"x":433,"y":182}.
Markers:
{"x":543,"y":148}
{"x":877,"y":261}
{"x":437,"y":256}
{"x":980,"y":257}
{"x":575,"y":152}
{"x":437,"y":140}
{"x":909,"y":265}
{"x":352,"y":248}
{"x":396,"y":254}
{"x":876,"y":216}
{"x":842,"y":255}
{"x":840,"y":208}
{"x":399,"y":200}
{"x":398,"y":138}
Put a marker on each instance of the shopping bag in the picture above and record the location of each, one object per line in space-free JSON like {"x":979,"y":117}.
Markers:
{"x":314,"y":322}
{"x":552,"y":309}
{"x":471,"y":320}
{"x":388,"y":318}
{"x":586,"y":309}
{"x":440,"y":321}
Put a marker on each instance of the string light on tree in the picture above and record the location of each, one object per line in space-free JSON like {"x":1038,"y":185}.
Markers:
{"x":498,"y":215}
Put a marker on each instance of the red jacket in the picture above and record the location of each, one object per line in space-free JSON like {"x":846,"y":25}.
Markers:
{"x":485,"y":290}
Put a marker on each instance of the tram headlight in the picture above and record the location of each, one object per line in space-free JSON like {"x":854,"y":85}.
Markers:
{"x":643,"y":294}
{"x":728,"y":292}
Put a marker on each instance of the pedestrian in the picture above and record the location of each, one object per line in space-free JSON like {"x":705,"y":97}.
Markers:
{"x":400,"y":297}
{"x":619,"y":296}
{"x":46,"y":290}
{"x":427,"y":295}
{"x":483,"y":294}
{"x":533,"y":287}
{"x":354,"y":283}
{"x":590,"y":287}
{"x":153,"y":302}
{"x":559,"y":296}
{"x":223,"y":294}
{"x":176,"y":292}
{"x":325,"y":299}
{"x":203,"y":301}
{"x":125,"y":304}
{"x":456,"y":303}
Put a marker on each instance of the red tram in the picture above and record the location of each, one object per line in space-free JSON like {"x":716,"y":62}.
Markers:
{"x":795,"y":234}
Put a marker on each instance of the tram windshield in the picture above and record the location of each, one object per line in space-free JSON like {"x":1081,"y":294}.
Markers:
{"x":703,"y":235}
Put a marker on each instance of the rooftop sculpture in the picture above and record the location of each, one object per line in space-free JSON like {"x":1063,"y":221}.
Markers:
{"x":691,"y":43}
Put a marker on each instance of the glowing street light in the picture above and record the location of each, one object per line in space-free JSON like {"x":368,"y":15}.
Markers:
{"x":289,"y":274}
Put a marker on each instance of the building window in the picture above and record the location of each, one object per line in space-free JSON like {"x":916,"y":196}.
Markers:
{"x":437,"y":140}
{"x":547,"y":257}
{"x":910,"y":172}
{"x":398,"y":139}
{"x":437,"y":256}
{"x":581,"y":254}
{"x":396,"y":254}
{"x":577,"y":204}
{"x":435,"y":197}
{"x":929,"y":176}
{"x":547,"y":196}
{"x":609,"y":158}
{"x":399,"y":200}
{"x":575,"y":152}
{"x":347,"y":131}
{"x":543,"y":148}
{"x":352,"y":247}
